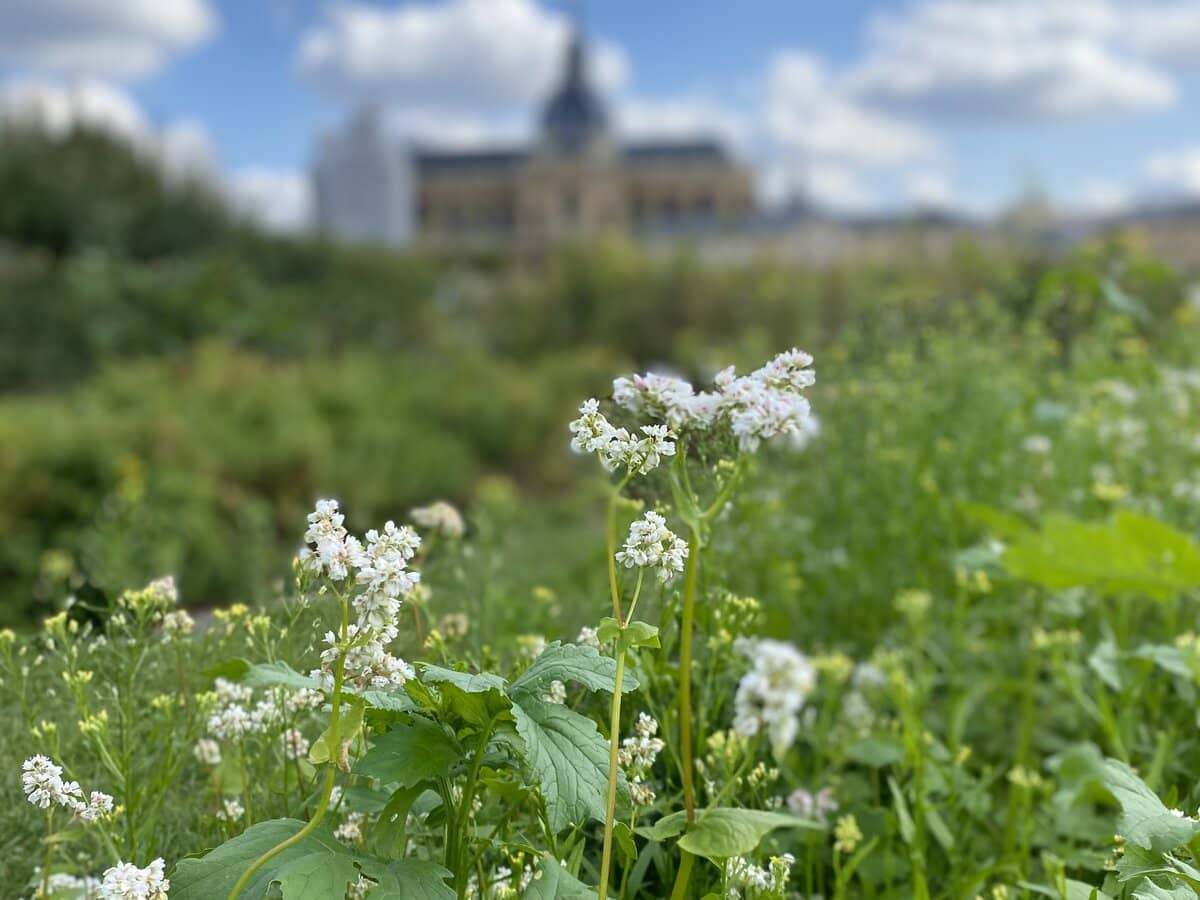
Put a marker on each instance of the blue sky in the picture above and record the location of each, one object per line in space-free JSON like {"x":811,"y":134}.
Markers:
{"x":858,"y":105}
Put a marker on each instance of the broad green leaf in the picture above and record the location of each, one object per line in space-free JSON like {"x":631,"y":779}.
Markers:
{"x":876,"y":752}
{"x":323,"y":875}
{"x":1130,"y":553}
{"x":392,"y":701}
{"x":553,"y":882}
{"x":665,"y":828}
{"x":903,"y":818}
{"x":231,"y":669}
{"x":278,"y":674}
{"x":640,"y":634}
{"x":409,"y":753}
{"x":623,"y":838}
{"x":724,"y":831}
{"x":1148,"y":890}
{"x":572,"y":662}
{"x":213,"y":876}
{"x":567,"y":756}
{"x":412,"y":879}
{"x":388,"y":832}
{"x":1105,"y":661}
{"x":349,"y":725}
{"x":1170,"y":659}
{"x":1145,"y":820}
{"x":478,"y":683}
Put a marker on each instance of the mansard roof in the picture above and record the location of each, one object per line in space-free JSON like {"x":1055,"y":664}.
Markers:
{"x":436,"y":162}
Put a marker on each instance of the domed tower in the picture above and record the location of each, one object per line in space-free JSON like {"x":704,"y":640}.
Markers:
{"x":574,"y":119}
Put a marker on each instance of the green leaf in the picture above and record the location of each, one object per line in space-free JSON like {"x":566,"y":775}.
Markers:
{"x":409,"y":753}
{"x":475,"y":698}
{"x":572,"y":662}
{"x":213,"y":876}
{"x":639,"y":634}
{"x":1145,"y":820}
{"x":323,"y":875}
{"x":478,"y":683}
{"x":624,"y":841}
{"x":278,"y":674}
{"x":725,"y":831}
{"x":1130,"y":553}
{"x":412,"y":879}
{"x":567,"y":756}
{"x":1148,"y":890}
{"x":387,"y":834}
{"x":876,"y":752}
{"x":231,"y":669}
{"x":553,"y":882}
{"x":349,"y":725}
{"x":392,"y":701}
{"x":903,"y":818}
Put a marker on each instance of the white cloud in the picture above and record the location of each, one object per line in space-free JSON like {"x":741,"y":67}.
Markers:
{"x":279,"y":200}
{"x":1103,"y":198}
{"x":1169,"y":32}
{"x":1016,"y":60}
{"x":104,"y":38}
{"x":1173,"y":175}
{"x":929,"y":190}
{"x":808,"y":112}
{"x":476,"y":56}
{"x":641,"y":118}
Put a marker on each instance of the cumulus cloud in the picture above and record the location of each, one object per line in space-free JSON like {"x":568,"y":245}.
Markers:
{"x":929,"y":190}
{"x":808,"y":111}
{"x":461,"y":56}
{"x":1016,"y":60}
{"x":642,"y":118}
{"x":279,"y":200}
{"x":102,"y":38}
{"x":1173,"y":175}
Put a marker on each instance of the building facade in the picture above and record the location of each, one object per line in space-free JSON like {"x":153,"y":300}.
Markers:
{"x":576,"y":179}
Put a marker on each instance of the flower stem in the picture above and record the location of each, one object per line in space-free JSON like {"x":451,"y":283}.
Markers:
{"x":686,"y":624}
{"x":330,"y":775}
{"x":614,"y":745}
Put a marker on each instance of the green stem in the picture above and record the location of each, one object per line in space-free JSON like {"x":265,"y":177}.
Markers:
{"x":679,"y":891}
{"x":614,"y":746}
{"x":330,"y":775}
{"x":464,"y":813}
{"x":611,"y":529}
{"x":49,"y":852}
{"x":686,"y":625}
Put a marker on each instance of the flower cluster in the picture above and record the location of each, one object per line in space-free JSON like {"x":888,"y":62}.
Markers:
{"x":126,"y":881}
{"x":744,"y":879}
{"x":617,"y":447}
{"x":368,"y":665}
{"x":651,"y":545}
{"x":232,"y":717}
{"x":637,"y":755}
{"x":63,"y":884}
{"x":380,"y":567}
{"x":441,"y":518}
{"x":42,"y":780}
{"x":770,"y":696}
{"x":815,"y":806}
{"x":764,"y":404}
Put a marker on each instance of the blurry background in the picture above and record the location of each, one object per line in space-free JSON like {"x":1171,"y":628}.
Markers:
{"x":256,"y":253}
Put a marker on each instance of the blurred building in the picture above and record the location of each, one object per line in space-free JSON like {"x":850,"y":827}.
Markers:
{"x":576,"y":179}
{"x":363,"y":185}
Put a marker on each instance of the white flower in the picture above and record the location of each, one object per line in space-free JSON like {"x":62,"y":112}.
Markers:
{"x":816,"y":806}
{"x":99,"y":806}
{"x":351,"y":829}
{"x":743,"y":879}
{"x":368,"y":663}
{"x":770,"y":696}
{"x":639,"y":751}
{"x":557,"y":693}
{"x":441,"y":517}
{"x":231,"y":810}
{"x":231,"y":718}
{"x":126,"y":881}
{"x":62,"y":884}
{"x":1037,"y":445}
{"x":176,"y":624}
{"x":587,"y":637}
{"x":295,"y":745}
{"x":207,"y":752}
{"x":616,"y":447}
{"x":651,"y":544}
{"x":44,"y":786}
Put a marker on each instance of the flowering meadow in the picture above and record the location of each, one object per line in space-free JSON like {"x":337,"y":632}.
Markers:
{"x":913,"y":616}
{"x":1014,"y":717}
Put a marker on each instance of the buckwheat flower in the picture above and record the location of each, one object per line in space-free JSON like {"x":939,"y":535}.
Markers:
{"x":440,"y":517}
{"x":207,"y":752}
{"x":651,"y":545}
{"x":1037,"y":445}
{"x":99,"y":806}
{"x":639,"y":751}
{"x":815,"y":806}
{"x":642,"y":455}
{"x":368,"y":663}
{"x":360,"y":889}
{"x":351,"y":829}
{"x":295,"y":745}
{"x":656,"y":396}
{"x":557,"y":693}
{"x":591,"y":432}
{"x":62,"y":884}
{"x":587,"y":637}
{"x":177,"y":624}
{"x":231,"y":810}
{"x":126,"y":881}
{"x":454,"y":625}
{"x":44,"y":786}
{"x":770,"y":696}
